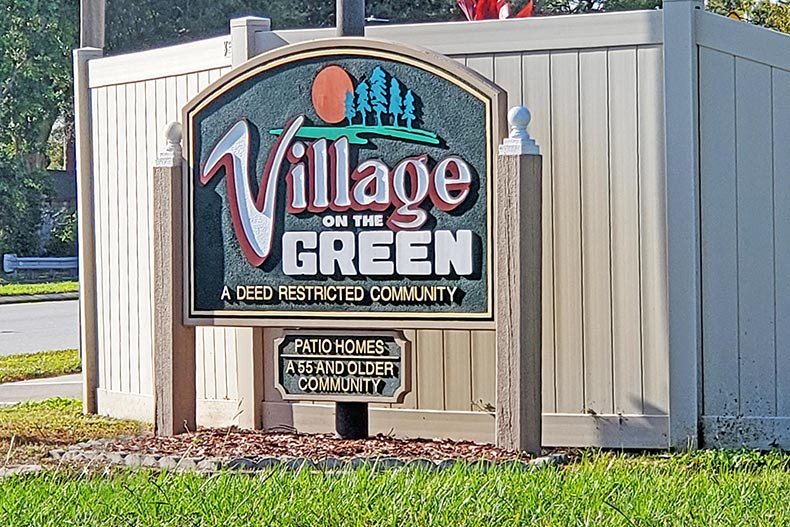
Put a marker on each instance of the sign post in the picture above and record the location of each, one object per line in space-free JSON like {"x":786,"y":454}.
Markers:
{"x":173,"y":342}
{"x":518,"y":268}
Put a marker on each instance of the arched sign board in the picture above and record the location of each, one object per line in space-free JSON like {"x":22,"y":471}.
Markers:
{"x":342,"y":182}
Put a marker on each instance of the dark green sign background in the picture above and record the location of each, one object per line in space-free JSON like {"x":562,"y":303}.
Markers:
{"x":268,"y":101}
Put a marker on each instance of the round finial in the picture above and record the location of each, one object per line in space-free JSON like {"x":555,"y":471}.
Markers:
{"x":173,"y":133}
{"x":518,"y":142}
{"x":518,"y":117}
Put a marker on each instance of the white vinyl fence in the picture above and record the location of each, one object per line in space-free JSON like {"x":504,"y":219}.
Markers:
{"x":744,"y":76}
{"x":614,"y":253}
{"x":594,"y":87}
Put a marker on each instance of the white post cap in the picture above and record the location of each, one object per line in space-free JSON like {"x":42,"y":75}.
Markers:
{"x":170,"y":156}
{"x":519,"y":142}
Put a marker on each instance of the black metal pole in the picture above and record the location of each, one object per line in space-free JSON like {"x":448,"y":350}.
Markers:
{"x":351,"y":420}
{"x":92,"y":23}
{"x":350,"y":18}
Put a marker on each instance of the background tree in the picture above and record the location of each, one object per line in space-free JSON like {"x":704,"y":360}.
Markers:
{"x":36,"y":39}
{"x":37,"y":36}
{"x":762,"y":12}
{"x":133,"y":25}
{"x":22,"y":197}
{"x":142,"y":24}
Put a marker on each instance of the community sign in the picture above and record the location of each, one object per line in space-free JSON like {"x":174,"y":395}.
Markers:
{"x":359,"y":367}
{"x":341,"y":179}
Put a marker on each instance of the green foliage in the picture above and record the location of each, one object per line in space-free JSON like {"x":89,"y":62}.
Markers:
{"x":22,"y":194}
{"x":36,"y":365}
{"x":569,"y":7}
{"x":43,"y":288}
{"x":400,"y":12}
{"x":630,"y":5}
{"x":36,"y":39}
{"x":771,"y":15}
{"x":566,"y":7}
{"x":760,"y":12}
{"x":55,"y":147}
{"x":573,"y":7}
{"x":63,"y":238}
{"x":134,"y":25}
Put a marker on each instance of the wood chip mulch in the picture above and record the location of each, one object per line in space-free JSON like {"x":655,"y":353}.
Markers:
{"x":237,"y":443}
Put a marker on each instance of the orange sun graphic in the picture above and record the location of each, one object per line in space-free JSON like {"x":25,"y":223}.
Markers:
{"x":329,"y":93}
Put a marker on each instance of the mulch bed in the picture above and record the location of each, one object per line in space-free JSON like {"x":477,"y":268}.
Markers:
{"x":237,"y":443}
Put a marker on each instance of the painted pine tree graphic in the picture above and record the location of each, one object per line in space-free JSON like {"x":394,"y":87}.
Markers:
{"x":363,"y":101}
{"x":408,"y":109}
{"x":351,"y":109}
{"x":395,"y":106}
{"x":378,"y":92}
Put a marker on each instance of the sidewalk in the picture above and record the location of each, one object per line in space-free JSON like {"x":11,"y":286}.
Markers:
{"x":40,"y":389}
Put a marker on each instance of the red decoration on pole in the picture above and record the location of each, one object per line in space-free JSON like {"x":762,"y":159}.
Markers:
{"x":491,"y":9}
{"x":526,"y":12}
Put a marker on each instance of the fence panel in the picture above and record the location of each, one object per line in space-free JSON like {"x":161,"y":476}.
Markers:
{"x":744,"y":183}
{"x":128,"y":119}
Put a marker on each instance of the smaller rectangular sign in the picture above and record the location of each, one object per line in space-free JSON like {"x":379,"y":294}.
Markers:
{"x":345,"y":367}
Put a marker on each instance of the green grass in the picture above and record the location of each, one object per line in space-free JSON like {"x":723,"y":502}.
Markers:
{"x":29,"y":430}
{"x":704,"y":489}
{"x":16,"y":289}
{"x":57,"y":421}
{"x":35,"y":365}
{"x":708,"y":488}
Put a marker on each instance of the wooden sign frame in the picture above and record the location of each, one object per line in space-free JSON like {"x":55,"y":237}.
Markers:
{"x":473,"y":83}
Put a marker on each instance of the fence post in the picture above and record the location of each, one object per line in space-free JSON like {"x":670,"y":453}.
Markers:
{"x":518,"y":288}
{"x":681,"y":84}
{"x":174,"y":343}
{"x":89,"y":343}
{"x":242,"y":37}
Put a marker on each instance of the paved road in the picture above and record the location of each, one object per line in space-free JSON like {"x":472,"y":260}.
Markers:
{"x":39,"y":326}
{"x":39,"y":389}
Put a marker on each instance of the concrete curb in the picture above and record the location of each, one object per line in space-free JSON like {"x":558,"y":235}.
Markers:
{"x":94,"y":452}
{"x":49,"y":297}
